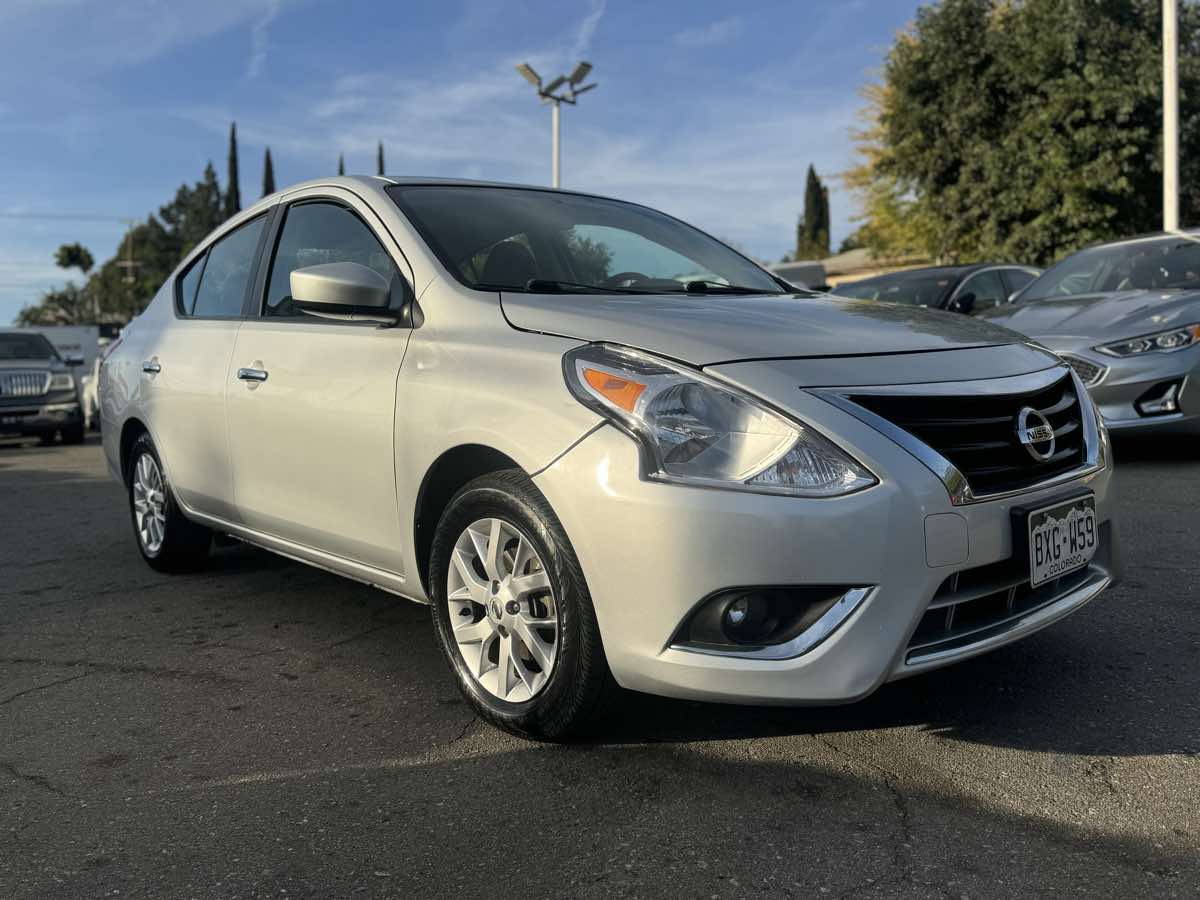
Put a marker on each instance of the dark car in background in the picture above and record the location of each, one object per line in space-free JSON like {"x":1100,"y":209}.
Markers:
{"x":966,"y":289}
{"x":1126,"y":316}
{"x":39,"y":397}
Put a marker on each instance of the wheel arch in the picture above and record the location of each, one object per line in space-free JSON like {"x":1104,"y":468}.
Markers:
{"x":449,"y":472}
{"x":130,"y":432}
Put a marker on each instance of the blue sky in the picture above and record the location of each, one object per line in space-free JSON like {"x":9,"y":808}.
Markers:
{"x":711,"y":111}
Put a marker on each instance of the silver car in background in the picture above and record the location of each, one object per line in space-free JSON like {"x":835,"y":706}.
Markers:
{"x":605,"y":448}
{"x":1126,"y":316}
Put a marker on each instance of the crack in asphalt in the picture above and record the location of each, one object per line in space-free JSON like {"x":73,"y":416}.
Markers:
{"x":42,"y":687}
{"x":361,"y":634}
{"x":40,"y":781}
{"x":127,"y":669}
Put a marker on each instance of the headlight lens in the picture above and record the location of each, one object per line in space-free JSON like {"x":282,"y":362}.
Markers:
{"x":698,"y":431}
{"x":1163,"y":342}
{"x":62,"y":381}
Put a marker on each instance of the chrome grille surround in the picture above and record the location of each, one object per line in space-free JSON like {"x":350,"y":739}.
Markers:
{"x":1090,"y":373}
{"x":1017,"y":387}
{"x":24,"y":383}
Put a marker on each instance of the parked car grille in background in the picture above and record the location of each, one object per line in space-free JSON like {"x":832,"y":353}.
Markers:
{"x":1089,"y":373}
{"x":978,"y":434}
{"x":24,"y":383}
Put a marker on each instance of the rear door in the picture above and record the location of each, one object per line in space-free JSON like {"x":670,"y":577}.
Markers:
{"x":313,"y":443}
{"x":184,"y":369}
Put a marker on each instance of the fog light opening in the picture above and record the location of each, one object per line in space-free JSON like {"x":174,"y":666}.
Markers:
{"x":1160,"y":400}
{"x":748,"y":619}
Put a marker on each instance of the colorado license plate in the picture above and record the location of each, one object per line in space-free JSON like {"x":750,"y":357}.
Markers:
{"x":1062,"y":538}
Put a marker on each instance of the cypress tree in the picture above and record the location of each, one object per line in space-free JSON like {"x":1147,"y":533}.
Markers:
{"x":341,"y":165}
{"x":812,"y":231}
{"x":233,"y":194}
{"x":268,"y":174}
{"x":379,"y":159}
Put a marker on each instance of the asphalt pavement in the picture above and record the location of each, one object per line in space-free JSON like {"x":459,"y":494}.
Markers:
{"x":266,"y":729}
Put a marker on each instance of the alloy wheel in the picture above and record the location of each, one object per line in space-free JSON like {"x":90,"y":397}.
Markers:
{"x":502,"y":609}
{"x":149,"y":503}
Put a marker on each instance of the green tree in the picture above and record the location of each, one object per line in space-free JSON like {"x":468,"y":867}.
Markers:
{"x":74,"y":256}
{"x":268,"y":174}
{"x":379,"y":159}
{"x":233,"y":194}
{"x":341,"y":165}
{"x":1023,"y":130}
{"x":812,"y":231}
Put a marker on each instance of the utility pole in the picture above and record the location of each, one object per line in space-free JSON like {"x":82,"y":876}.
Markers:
{"x":571,"y":88}
{"x":1170,"y":115}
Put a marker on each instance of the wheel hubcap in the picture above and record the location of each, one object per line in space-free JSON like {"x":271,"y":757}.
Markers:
{"x":503,"y":613}
{"x":149,"y":503}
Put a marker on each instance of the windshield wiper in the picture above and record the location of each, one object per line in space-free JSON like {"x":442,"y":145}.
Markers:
{"x":719,"y":287}
{"x":553,"y":286}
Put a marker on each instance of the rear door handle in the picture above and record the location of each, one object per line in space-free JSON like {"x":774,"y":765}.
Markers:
{"x":252,"y":375}
{"x":151,"y":367}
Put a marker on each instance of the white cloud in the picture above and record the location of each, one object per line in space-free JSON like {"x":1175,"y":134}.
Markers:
{"x":587,"y":29}
{"x":258,"y":38}
{"x":710,"y":35}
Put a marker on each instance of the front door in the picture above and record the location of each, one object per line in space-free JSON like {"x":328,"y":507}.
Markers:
{"x":312,"y":401}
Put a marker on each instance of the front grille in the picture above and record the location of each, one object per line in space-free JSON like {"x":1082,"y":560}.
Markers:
{"x":976,"y":603}
{"x":1089,"y":373}
{"x":978,"y":433}
{"x":24,"y":383}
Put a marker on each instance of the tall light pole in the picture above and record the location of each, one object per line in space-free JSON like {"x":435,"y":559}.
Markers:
{"x":563,"y":89}
{"x":1170,"y":115}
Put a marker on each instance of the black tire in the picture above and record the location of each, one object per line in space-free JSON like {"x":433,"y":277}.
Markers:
{"x":580,"y":683}
{"x":72,"y":434}
{"x":185,"y":544}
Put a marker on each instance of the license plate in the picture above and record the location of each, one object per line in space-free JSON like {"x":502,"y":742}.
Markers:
{"x":1062,"y":538}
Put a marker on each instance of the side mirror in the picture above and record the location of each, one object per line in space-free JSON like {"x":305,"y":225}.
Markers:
{"x":342,"y":289}
{"x":74,"y":361}
{"x":963,"y":303}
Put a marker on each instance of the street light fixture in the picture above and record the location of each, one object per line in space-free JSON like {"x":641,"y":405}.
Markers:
{"x":555,"y":94}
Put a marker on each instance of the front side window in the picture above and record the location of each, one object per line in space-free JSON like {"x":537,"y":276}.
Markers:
{"x":499,"y":238}
{"x":988,"y":290}
{"x":1018,"y":278}
{"x":315,"y":233}
{"x":226,"y":275}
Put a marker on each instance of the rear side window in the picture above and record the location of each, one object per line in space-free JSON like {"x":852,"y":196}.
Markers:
{"x":1017,"y":279}
{"x":188,"y":283}
{"x":316,"y":233}
{"x":226,"y":274}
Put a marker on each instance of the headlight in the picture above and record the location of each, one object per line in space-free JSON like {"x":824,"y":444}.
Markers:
{"x":62,"y":381}
{"x":695,"y":430}
{"x":1163,"y":342}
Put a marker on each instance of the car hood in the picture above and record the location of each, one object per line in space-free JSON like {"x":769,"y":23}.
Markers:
{"x":1100,"y":316}
{"x":703,"y":330}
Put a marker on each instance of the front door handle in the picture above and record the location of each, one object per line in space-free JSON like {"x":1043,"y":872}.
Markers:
{"x":252,"y":374}
{"x":151,"y":367}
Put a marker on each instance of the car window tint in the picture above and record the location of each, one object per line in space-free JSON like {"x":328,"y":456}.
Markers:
{"x":223,"y":283}
{"x":318,"y":233}
{"x":1017,"y":278}
{"x":188,"y":283}
{"x":987,"y":288}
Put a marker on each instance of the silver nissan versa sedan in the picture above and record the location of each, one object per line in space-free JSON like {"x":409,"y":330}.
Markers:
{"x":605,"y":448}
{"x":1126,"y":317}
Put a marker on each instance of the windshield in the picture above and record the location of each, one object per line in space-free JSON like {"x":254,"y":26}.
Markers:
{"x":911,"y":290}
{"x":495,"y":238}
{"x":25,"y":346}
{"x":1171,"y":263}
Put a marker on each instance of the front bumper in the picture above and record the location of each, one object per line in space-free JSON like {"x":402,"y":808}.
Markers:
{"x":41,"y":416}
{"x":650,"y":551}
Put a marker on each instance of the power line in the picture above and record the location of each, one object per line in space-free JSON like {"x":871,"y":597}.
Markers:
{"x":65,"y":217}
